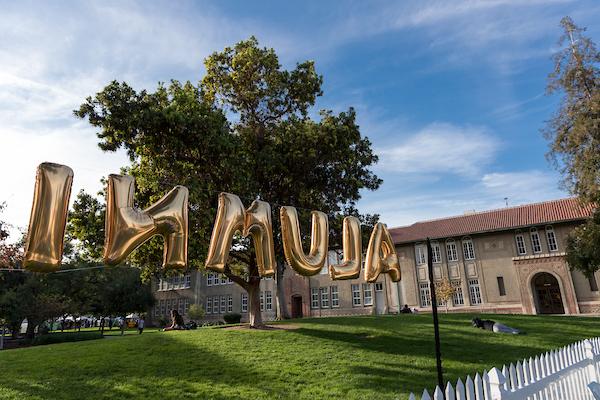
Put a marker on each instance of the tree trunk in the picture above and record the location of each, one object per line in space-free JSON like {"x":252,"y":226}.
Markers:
{"x":282,"y":310}
{"x":254,"y":313}
{"x":30,"y":334}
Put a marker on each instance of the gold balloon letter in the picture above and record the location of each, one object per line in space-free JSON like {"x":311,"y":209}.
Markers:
{"x":351,"y":240}
{"x":232,"y":218}
{"x":292,"y":241}
{"x":127,"y":227}
{"x":381,"y":255}
{"x":44,"y":245}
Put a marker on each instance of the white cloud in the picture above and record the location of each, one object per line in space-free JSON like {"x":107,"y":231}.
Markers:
{"x":522,"y":186}
{"x":441,"y":149}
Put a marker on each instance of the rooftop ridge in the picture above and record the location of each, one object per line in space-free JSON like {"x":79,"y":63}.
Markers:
{"x":485,"y":212}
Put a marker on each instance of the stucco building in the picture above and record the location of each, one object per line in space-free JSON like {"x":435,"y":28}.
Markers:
{"x":509,"y":260}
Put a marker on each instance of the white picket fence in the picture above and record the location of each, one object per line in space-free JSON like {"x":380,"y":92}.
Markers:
{"x":561,"y":374}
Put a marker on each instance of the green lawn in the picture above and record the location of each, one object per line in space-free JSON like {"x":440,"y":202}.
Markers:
{"x":347,"y":358}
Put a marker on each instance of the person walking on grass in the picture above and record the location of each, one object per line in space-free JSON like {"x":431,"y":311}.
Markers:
{"x":141,"y":324}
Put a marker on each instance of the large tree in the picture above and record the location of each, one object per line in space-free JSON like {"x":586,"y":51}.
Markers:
{"x":574,"y":130}
{"x":293,"y":159}
{"x":574,"y":135}
{"x":272,"y":150}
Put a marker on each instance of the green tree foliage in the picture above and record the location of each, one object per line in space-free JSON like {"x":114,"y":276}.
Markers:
{"x":583,"y":246}
{"x":196,"y":312}
{"x":291,"y":159}
{"x":574,"y":130}
{"x":173,"y":137}
{"x":574,"y":133}
{"x":273,"y":150}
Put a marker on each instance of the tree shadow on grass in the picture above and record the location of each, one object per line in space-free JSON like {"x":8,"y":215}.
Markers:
{"x":172,"y":370}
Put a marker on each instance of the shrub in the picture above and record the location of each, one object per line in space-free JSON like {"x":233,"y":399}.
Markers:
{"x":232,"y":318}
{"x":65,"y":337}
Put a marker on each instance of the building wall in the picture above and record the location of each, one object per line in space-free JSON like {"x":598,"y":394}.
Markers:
{"x":497,"y":256}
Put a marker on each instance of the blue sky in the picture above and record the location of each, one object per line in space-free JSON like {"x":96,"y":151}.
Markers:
{"x":451,"y":93}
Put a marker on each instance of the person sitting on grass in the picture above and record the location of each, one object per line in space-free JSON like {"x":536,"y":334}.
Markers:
{"x":489,"y":325}
{"x":177,"y":323}
{"x":405,"y":310}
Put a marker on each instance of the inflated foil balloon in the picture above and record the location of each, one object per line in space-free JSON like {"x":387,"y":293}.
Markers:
{"x":352,"y":246}
{"x":255,"y":221}
{"x":381,"y":256}
{"x":44,"y":244}
{"x":128,"y":227}
{"x":303,"y":264}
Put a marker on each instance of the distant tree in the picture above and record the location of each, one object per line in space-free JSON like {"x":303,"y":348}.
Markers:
{"x":123,"y":292}
{"x":574,"y":130}
{"x":196,"y":312}
{"x":574,"y":133}
{"x":583,"y":246}
{"x":444,"y":292}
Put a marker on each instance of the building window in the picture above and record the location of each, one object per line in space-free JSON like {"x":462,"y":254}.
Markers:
{"x":180,"y":307}
{"x":188,"y":281}
{"x":314,"y":297}
{"x":535,"y":241}
{"x":457,"y":296}
{"x":209,"y":305}
{"x":268,"y":300}
{"x":521,"y":249}
{"x":593,"y":283}
{"x":244,"y":302}
{"x":379,"y":286}
{"x":420,"y":254}
{"x":324,"y":297}
{"x":468,"y":250}
{"x":209,"y":279}
{"x":262,"y":301}
{"x":474,"y":291}
{"x":436,"y":253}
{"x":425,"y":294}
{"x":367,"y":294}
{"x":229,"y":303}
{"x":335,"y":298}
{"x":501,"y":288}
{"x":551,"y":237}
{"x":451,"y":250}
{"x":223,"y":304}
{"x":356,"y":295}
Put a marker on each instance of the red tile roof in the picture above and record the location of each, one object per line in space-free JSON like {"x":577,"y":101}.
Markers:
{"x":495,"y":220}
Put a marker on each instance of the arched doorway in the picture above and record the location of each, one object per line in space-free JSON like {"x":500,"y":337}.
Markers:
{"x":546,"y":291}
{"x":297,"y":306}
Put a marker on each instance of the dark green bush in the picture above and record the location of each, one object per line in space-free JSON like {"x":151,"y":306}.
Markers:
{"x":232,"y":318}
{"x":51,"y":338}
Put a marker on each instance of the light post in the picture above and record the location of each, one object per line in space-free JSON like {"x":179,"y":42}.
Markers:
{"x":436,"y":325}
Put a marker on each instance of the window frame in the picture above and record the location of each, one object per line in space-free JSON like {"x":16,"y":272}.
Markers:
{"x":367,"y":288}
{"x":501,"y":286}
{"x":468,"y":249}
{"x":522,"y":237}
{"x":314,"y":298}
{"x":356,"y":295}
{"x":451,"y":250}
{"x":420,"y":254}
{"x":475,"y":292}
{"x":244,"y":303}
{"x":552,"y":244}
{"x":324,"y":297}
{"x":533,"y":233}
{"x":425,"y":294}
{"x":458,"y":297}
{"x":436,"y":253}
{"x":335,"y":296}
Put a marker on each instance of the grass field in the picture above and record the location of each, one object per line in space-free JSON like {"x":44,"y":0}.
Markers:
{"x":382,"y":357}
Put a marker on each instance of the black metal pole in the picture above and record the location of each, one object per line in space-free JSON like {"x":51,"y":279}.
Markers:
{"x":436,"y":324}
